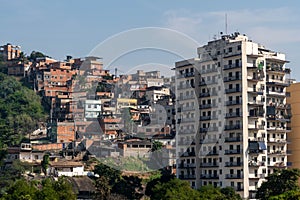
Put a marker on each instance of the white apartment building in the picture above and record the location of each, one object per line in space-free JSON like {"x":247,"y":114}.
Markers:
{"x":92,"y":109}
{"x":232,"y":116}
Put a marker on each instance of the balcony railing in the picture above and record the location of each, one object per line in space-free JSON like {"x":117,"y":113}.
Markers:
{"x":255,"y":127}
{"x":212,"y":117}
{"x":233,"y":151}
{"x":209,"y":153}
{"x":187,"y":176}
{"x":211,"y":82}
{"x":206,"y":106}
{"x":233,"y":114}
{"x":186,"y":75}
{"x":256,"y":164}
{"x":232,"y":78}
{"x":233,"y":90}
{"x":233,"y":127}
{"x":187,"y":165}
{"x":187,"y":154}
{"x":233,"y":139}
{"x":214,"y":164}
{"x":234,"y":102}
{"x":210,"y":129}
{"x":206,"y":71}
{"x":234,"y":176}
{"x":232,"y":66}
{"x":209,"y":176}
{"x":233,"y":164}
{"x":207,"y":141}
{"x":208,"y":94}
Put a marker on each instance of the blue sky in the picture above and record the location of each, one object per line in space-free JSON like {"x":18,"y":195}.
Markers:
{"x":60,"y":28}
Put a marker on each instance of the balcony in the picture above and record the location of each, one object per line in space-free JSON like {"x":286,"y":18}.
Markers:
{"x":232,"y":78}
{"x":205,"y":118}
{"x":233,"y":151}
{"x":233,"y":164}
{"x":208,"y":94}
{"x":210,"y":153}
{"x":210,"y":82}
{"x":232,"y":66}
{"x":233,"y":127}
{"x":254,"y":78}
{"x":278,"y":83}
{"x":209,"y":176}
{"x":186,"y":131}
{"x":277,"y":140}
{"x":187,"y":120}
{"x":187,"y":165}
{"x":207,"y":71}
{"x":234,"y":102}
{"x":190,"y":108}
{"x":207,"y":106}
{"x":186,"y":75}
{"x":187,"y":86}
{"x":186,"y":142}
{"x":186,"y":97}
{"x":234,"y":176}
{"x":233,"y":139}
{"x":233,"y":114}
{"x":210,"y":129}
{"x":279,"y":129}
{"x":188,"y":154}
{"x":187,"y":176}
{"x":207,"y":141}
{"x":279,"y":93}
{"x":256,"y":176}
{"x":208,"y":165}
{"x":233,"y":90}
{"x":278,"y":165}
{"x":256,"y":164}
{"x":259,"y":91}
{"x":256,"y":103}
{"x":278,"y":69}
{"x":255,"y":127}
{"x":256,"y":114}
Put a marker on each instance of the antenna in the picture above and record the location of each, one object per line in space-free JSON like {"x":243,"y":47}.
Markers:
{"x":226,"y":23}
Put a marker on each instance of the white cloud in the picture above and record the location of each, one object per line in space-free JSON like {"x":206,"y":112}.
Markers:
{"x":272,"y":25}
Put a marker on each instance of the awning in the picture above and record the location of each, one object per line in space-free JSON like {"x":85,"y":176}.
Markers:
{"x":262,"y":145}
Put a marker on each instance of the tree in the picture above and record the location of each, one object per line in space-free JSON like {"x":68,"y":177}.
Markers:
{"x":35,"y":54}
{"x":209,"y":192}
{"x":103,"y":188}
{"x":111,"y":174}
{"x":230,"y":194}
{"x":45,"y":163}
{"x":291,"y":195}
{"x":278,"y":183}
{"x":20,"y":111}
{"x":174,"y":189}
{"x":21,"y":190}
{"x":129,"y":186}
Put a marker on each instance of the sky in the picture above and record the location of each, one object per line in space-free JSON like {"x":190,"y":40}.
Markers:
{"x":59,"y":28}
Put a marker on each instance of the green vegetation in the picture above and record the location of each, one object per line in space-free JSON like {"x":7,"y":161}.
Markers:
{"x":282,"y":184}
{"x":34,"y":190}
{"x":127,"y":164}
{"x":20,"y":111}
{"x":161,"y":185}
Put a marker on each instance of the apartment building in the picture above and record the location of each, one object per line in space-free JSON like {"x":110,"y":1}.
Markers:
{"x":232,"y":116}
{"x":10,"y":52}
{"x":294,"y":137}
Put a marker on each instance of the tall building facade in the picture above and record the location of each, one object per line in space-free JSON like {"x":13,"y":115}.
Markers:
{"x":232,"y":116}
{"x":294,"y":137}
